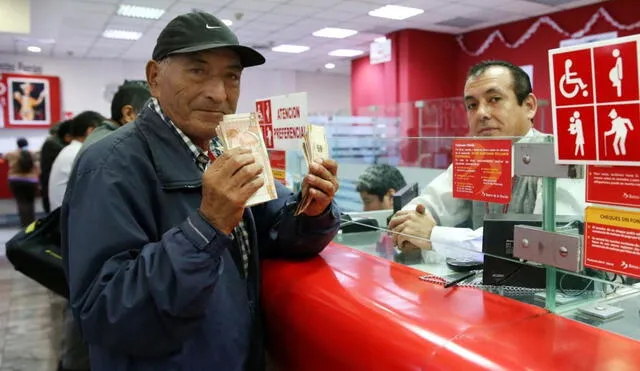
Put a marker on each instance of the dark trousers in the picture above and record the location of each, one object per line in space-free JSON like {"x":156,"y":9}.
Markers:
{"x":45,"y":199}
{"x":24,"y":193}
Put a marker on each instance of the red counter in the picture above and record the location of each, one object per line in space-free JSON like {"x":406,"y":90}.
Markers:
{"x":348,"y":310}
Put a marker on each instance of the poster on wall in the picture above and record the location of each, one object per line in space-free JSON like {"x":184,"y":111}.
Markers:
{"x":30,"y":101}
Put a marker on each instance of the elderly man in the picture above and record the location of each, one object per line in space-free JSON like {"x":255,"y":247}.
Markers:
{"x":499,"y":103}
{"x":162,"y":256}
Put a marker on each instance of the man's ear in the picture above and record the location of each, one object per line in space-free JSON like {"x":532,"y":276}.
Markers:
{"x":391,"y":192}
{"x":128,"y":114}
{"x":531,"y":104}
{"x":152,"y":70}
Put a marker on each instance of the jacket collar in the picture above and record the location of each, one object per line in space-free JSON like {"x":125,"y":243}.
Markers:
{"x":174,"y":163}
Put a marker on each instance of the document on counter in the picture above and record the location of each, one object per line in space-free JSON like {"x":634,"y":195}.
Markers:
{"x":243,"y":130}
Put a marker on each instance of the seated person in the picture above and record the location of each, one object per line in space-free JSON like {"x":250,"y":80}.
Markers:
{"x":377,"y":185}
{"x":499,"y":103}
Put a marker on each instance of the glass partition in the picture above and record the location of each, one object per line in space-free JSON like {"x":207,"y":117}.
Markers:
{"x":489,"y":258}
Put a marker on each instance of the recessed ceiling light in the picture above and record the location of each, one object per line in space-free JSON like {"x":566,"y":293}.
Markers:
{"x":380,"y":39}
{"x":345,"y":52}
{"x":135,"y":11}
{"x":34,"y":49}
{"x":228,"y":22}
{"x":122,"y":35}
{"x":329,"y":66}
{"x":396,"y":12}
{"x":290,"y":48}
{"x":334,"y":33}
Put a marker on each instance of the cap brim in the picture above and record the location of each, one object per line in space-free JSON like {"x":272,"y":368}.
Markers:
{"x":249,"y":57}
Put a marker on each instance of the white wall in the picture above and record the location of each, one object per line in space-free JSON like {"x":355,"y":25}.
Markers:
{"x":84,"y":83}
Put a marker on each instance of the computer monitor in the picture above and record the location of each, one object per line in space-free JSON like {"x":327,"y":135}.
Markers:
{"x":404,"y":196}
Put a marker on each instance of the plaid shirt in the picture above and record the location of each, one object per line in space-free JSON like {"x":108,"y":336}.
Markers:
{"x":239,"y":235}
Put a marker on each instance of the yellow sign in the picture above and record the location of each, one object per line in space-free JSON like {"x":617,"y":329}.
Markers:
{"x":612,"y":217}
{"x":279,"y":175}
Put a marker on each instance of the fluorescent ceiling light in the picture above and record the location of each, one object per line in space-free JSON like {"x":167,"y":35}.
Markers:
{"x":380,"y":39}
{"x":227,"y":22}
{"x":334,"y":33}
{"x":345,"y":52}
{"x":122,"y":35}
{"x":135,"y":11}
{"x":34,"y":49}
{"x":329,"y":66}
{"x":290,"y":48}
{"x":396,"y":12}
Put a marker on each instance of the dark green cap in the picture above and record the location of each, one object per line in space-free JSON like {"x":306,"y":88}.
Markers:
{"x":196,"y":31}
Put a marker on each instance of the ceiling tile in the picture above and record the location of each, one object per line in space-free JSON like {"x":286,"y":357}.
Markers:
{"x":127,"y":23}
{"x":295,"y":10}
{"x":158,"y":4}
{"x":81,"y":7}
{"x":253,"y":5}
{"x":525,"y":7}
{"x":357,"y":7}
{"x":425,"y":4}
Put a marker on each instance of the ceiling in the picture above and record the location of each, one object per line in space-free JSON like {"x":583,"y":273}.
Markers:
{"x":73,"y":28}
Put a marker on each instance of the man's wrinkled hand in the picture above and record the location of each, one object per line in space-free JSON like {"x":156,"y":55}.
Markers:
{"x":321,"y":184}
{"x":412,"y":228}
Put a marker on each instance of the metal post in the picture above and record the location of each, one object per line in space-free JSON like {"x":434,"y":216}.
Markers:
{"x":549,"y":224}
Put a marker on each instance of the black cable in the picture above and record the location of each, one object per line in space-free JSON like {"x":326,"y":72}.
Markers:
{"x":505,"y":278}
{"x":580,"y":292}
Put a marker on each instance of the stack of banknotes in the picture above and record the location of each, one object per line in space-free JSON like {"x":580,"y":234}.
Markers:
{"x":243,"y":130}
{"x":314,"y":147}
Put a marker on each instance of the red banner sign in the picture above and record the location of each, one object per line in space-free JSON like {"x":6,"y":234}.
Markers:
{"x":613,"y":185}
{"x":278,"y":161}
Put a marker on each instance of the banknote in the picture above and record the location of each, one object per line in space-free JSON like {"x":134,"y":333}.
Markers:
{"x":242,"y":130}
{"x":314,"y":147}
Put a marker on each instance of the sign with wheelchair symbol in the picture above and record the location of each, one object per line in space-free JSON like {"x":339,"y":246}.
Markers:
{"x":573,"y":78}
{"x":595,"y":102}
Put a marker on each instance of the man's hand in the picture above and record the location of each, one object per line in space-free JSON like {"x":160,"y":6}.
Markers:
{"x":321,"y":184}
{"x":412,"y":228}
{"x":227,"y":184}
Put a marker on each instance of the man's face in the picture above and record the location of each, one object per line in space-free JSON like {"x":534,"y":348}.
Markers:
{"x":372,"y":202}
{"x":492,"y":106}
{"x":196,"y":90}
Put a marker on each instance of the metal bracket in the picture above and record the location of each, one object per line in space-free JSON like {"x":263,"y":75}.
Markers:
{"x":538,"y":159}
{"x":555,"y":249}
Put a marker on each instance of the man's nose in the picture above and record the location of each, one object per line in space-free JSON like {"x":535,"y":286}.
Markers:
{"x":215,"y":90}
{"x":484,"y":111}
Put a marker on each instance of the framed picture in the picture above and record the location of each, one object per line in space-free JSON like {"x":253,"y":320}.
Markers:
{"x":31,"y":101}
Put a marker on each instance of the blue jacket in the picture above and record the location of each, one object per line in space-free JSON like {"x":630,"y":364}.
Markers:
{"x":153,"y":286}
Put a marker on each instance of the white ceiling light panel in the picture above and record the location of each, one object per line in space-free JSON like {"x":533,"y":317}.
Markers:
{"x":395,"y":12}
{"x":345,"y":53}
{"x":135,"y":11}
{"x":334,"y":33}
{"x":295,"y":49}
{"x":122,"y":34}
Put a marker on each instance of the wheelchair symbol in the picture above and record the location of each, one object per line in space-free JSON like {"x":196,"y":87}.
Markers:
{"x":570,"y":84}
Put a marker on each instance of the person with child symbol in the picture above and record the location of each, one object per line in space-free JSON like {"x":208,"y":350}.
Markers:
{"x":575,"y":128}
